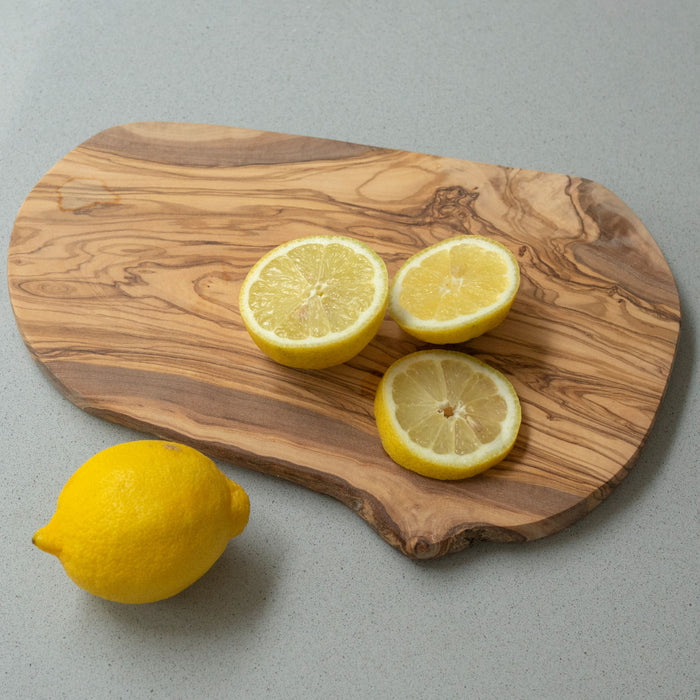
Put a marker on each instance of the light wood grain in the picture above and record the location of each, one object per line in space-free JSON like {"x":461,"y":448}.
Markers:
{"x":124,"y":269}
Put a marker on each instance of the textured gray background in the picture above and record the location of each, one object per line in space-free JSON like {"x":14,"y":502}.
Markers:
{"x":309,"y":602}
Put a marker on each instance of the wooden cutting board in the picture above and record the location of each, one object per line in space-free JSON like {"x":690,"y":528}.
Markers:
{"x":124,"y":268}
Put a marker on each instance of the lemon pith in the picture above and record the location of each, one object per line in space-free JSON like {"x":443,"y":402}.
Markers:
{"x":315,"y":302}
{"x":454,"y":290}
{"x":141,"y":521}
{"x":445,"y":414}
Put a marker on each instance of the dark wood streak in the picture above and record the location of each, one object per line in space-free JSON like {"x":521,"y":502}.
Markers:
{"x":212,"y":147}
{"x":124,"y":269}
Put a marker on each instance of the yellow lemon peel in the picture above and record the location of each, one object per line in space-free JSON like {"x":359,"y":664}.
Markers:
{"x":143,"y":520}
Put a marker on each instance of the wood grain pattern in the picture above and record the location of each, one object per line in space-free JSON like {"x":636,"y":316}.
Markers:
{"x":124,"y":269}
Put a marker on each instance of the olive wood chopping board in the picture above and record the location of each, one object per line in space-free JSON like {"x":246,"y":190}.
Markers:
{"x":124,"y":268}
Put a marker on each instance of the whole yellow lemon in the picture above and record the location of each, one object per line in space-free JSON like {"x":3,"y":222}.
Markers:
{"x":141,"y":521}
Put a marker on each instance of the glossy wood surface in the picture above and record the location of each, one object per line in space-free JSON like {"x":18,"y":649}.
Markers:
{"x":124,"y":268}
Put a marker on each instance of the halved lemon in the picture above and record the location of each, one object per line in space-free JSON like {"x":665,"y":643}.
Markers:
{"x":454,"y":290}
{"x":315,"y":302}
{"x":445,"y":414}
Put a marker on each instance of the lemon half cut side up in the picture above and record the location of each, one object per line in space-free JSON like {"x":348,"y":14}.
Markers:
{"x":454,"y":290}
{"x":315,"y":302}
{"x":445,"y":414}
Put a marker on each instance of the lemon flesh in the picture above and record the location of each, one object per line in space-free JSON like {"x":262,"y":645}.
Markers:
{"x":454,"y":290}
{"x":445,"y":414}
{"x":315,"y":302}
{"x":141,"y":521}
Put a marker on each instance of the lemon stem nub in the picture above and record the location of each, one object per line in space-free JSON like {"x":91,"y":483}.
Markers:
{"x":240,"y":508}
{"x":44,"y":543}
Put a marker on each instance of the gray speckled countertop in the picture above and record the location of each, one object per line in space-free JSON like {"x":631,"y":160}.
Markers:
{"x":310,"y":602}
